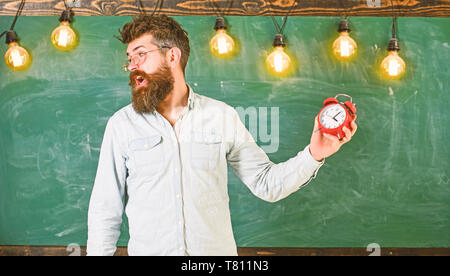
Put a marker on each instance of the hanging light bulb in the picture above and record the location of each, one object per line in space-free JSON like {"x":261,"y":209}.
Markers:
{"x":63,"y":37}
{"x":278,"y":62}
{"x":16,"y":57}
{"x":344,"y":47}
{"x":222,"y":45}
{"x":393,"y":66}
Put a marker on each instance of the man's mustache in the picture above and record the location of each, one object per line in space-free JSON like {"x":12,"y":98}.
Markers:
{"x":136,"y":74}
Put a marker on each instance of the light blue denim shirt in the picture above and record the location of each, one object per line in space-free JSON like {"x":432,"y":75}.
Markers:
{"x":177,"y":191}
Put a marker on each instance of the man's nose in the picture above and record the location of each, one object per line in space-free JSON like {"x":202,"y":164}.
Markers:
{"x":132,"y":67}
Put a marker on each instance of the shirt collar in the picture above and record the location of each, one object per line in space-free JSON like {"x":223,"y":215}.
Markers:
{"x":191,"y":97}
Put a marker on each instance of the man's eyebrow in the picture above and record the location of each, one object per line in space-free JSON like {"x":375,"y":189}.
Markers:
{"x":140,"y":46}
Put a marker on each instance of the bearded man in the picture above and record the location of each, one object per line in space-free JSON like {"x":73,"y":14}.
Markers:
{"x":168,"y":151}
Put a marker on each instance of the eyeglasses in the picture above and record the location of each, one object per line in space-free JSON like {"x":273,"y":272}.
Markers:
{"x":138,"y":59}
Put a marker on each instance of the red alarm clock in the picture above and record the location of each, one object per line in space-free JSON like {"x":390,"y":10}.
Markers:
{"x":335,"y":115}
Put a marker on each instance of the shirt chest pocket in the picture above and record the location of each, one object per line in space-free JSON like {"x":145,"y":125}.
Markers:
{"x":148,"y":152}
{"x":205,"y":150}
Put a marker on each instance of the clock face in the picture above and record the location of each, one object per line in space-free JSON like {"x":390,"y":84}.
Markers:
{"x":332,"y":116}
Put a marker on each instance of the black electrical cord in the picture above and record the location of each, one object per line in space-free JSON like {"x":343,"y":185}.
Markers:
{"x":280,"y":30}
{"x":17,"y":14}
{"x":343,"y":10}
{"x":343,"y":23}
{"x":141,"y":7}
{"x":393,"y":43}
{"x":394,"y":32}
{"x":394,"y":21}
{"x":19,"y":11}
{"x":158,"y":6}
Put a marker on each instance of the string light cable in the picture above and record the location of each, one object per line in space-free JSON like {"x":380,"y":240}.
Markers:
{"x":344,"y":47}
{"x":222,"y":45}
{"x":141,"y":8}
{"x":393,"y":66}
{"x":158,"y":7}
{"x":64,"y":37}
{"x":278,"y":61}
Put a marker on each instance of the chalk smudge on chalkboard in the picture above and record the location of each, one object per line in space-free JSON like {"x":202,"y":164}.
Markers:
{"x":391,"y":92}
{"x":69,"y":231}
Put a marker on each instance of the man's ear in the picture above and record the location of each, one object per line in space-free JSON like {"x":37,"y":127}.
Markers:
{"x":173,"y":57}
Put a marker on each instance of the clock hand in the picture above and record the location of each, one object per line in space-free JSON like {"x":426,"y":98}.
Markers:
{"x":334,"y":118}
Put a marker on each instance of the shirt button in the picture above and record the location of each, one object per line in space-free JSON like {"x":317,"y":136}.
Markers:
{"x":176,"y":170}
{"x":180,"y":222}
{"x":181,"y":248}
{"x":178,"y":195}
{"x":145,"y":146}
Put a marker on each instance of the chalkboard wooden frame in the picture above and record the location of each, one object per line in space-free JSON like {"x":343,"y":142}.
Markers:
{"x":243,"y":251}
{"x":408,"y":8}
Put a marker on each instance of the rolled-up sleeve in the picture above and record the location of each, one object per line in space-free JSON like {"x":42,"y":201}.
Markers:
{"x":266,"y":180}
{"x":106,"y":203}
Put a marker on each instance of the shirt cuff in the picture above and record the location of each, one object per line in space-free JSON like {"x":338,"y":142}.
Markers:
{"x":311,"y":159}
{"x":311,"y":167}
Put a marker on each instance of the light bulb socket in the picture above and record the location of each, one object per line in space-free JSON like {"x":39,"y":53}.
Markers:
{"x":220,"y":24}
{"x":66,"y":15}
{"x":278,"y":41}
{"x":344,"y":26}
{"x":11,"y":37}
{"x":393,"y":45}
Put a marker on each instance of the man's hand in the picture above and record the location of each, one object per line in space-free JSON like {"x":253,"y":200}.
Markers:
{"x":324,"y":145}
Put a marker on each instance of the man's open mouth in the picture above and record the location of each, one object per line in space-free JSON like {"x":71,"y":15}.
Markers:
{"x":140,"y":81}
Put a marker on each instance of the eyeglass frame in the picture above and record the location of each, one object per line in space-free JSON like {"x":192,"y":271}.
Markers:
{"x":141,"y":55}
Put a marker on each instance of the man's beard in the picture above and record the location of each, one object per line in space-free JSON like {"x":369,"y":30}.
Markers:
{"x":147,"y":98}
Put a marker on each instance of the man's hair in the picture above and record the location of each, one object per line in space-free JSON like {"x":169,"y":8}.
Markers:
{"x":165,"y":31}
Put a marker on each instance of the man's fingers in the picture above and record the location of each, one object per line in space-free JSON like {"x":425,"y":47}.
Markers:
{"x":348,"y":133}
{"x":345,"y":140}
{"x":331,"y":138}
{"x":354,"y":127}
{"x":316,"y":124}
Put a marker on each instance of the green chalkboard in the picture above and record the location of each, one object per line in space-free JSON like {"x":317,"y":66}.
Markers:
{"x":390,"y":185}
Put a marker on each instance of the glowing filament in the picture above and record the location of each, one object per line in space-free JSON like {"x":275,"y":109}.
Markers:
{"x":17,"y":60}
